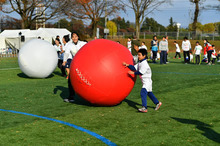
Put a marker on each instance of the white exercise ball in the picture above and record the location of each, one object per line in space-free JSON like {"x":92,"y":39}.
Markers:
{"x":37,"y":58}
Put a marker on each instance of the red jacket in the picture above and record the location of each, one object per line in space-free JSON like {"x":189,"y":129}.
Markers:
{"x":207,"y":47}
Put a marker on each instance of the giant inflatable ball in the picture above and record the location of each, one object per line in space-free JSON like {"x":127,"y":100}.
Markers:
{"x":37,"y":58}
{"x":97,"y":73}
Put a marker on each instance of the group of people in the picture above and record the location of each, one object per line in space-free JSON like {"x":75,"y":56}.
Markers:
{"x":66,"y":51}
{"x":159,"y":50}
{"x":209,"y":52}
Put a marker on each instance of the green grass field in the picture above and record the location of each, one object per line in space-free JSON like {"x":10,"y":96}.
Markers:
{"x":189,"y":114}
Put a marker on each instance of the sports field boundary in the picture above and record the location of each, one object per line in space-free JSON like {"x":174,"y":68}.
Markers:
{"x":103,"y":139}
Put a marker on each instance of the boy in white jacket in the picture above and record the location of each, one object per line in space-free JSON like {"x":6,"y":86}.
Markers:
{"x":143,"y":70}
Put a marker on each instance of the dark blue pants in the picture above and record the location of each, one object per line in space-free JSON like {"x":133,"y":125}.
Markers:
{"x":144,"y":95}
{"x":163,"y":57}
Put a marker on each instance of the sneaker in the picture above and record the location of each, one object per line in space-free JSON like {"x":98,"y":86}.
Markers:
{"x":68,"y":100}
{"x":158,"y":105}
{"x":71,"y":100}
{"x":143,"y":110}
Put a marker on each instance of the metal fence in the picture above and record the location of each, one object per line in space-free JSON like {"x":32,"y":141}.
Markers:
{"x":172,"y":35}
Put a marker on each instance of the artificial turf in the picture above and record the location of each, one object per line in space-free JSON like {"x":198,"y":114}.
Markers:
{"x":189,"y":114}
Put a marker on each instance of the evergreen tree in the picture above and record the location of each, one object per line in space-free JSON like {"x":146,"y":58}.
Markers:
{"x":151,"y":25}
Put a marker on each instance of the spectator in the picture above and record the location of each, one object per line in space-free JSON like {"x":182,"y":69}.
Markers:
{"x":129,"y":44}
{"x":134,"y":48}
{"x":154,"y":48}
{"x":177,"y":50}
{"x":186,"y":46}
{"x":167,"y":49}
{"x":214,"y":54}
{"x":197,"y":52}
{"x":163,"y":47}
{"x":209,"y":50}
{"x":60,"y":53}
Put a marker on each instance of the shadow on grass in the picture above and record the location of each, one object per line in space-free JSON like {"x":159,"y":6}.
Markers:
{"x":22,"y":75}
{"x":58,"y":73}
{"x":134,"y":104}
{"x":206,"y":128}
{"x":65,"y":93}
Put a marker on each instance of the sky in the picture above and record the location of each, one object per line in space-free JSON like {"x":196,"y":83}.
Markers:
{"x":181,"y":11}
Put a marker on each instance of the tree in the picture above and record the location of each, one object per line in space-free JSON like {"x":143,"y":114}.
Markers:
{"x":172,"y":26}
{"x":120,"y":22}
{"x":63,"y":23}
{"x":1,"y":3}
{"x":209,"y":27}
{"x":196,"y":15}
{"x":112,"y":28}
{"x":141,"y":8}
{"x":152,"y":25}
{"x":92,"y":10}
{"x":27,"y":10}
{"x":199,"y":27}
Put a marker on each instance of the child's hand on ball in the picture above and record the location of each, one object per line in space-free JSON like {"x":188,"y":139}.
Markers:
{"x":130,"y":72}
{"x":125,"y":64}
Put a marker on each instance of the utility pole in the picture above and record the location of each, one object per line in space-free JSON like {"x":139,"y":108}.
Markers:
{"x":105,"y":18}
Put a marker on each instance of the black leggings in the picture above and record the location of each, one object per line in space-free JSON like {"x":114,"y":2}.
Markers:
{"x":209,"y":55}
{"x":197,"y":59}
{"x":154,"y":56}
{"x":71,"y":90}
{"x":62,"y":68}
{"x":178,"y":54}
{"x":186,"y":53}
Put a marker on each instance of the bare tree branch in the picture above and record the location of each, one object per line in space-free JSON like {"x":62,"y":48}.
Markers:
{"x":27,"y":10}
{"x":92,"y":10}
{"x":142,"y":8}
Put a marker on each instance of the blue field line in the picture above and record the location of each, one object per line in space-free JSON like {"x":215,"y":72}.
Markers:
{"x":103,"y":139}
{"x":207,"y":74}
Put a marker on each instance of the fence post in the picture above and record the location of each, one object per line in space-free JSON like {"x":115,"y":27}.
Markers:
{"x":201,"y":36}
{"x":213,"y":38}
{"x":189,"y":35}
{"x":144,"y":35}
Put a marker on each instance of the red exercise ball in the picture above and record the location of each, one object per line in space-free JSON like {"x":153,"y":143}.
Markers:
{"x":97,"y":73}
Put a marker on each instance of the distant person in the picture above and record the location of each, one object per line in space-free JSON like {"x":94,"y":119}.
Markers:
{"x":163,"y":48}
{"x":186,"y":46}
{"x":67,"y":61}
{"x":144,"y":71}
{"x":60,"y":53}
{"x":214,"y":55}
{"x":154,"y":48}
{"x":58,"y":37}
{"x":191,"y":56}
{"x":134,"y":48}
{"x":143,"y":46}
{"x":95,"y":37}
{"x":209,"y":50}
{"x":129,"y":44}
{"x":177,"y":50}
{"x":76,"y":45}
{"x":218,"y":56}
{"x":118,"y":42}
{"x":197,"y":52}
{"x":39,"y":37}
{"x":167,"y":49}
